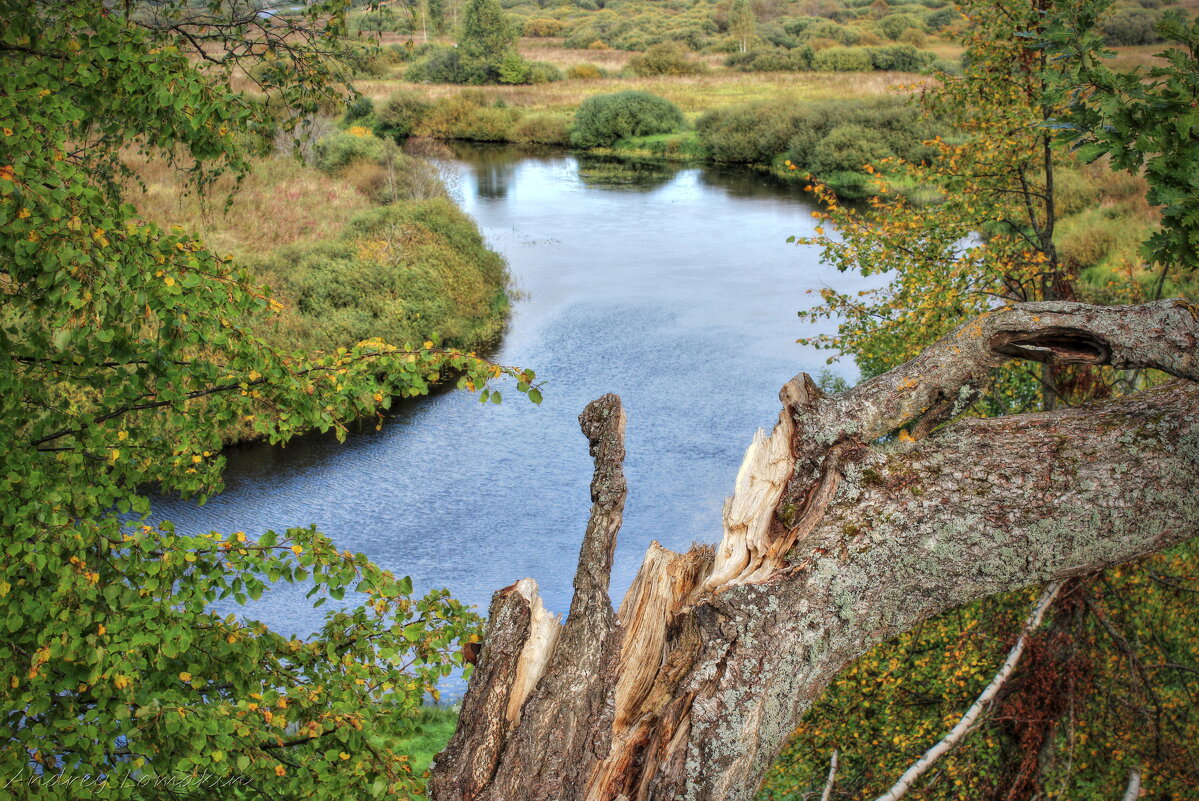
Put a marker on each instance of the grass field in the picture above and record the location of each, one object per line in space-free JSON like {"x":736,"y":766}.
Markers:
{"x":691,"y":93}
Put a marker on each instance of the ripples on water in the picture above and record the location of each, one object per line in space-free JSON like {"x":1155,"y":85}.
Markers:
{"x":674,"y":288}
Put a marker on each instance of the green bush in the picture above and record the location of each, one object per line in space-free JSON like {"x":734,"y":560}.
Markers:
{"x":513,"y":68}
{"x":823,"y":136}
{"x":900,"y":57}
{"x":438,"y":64}
{"x":602,"y":120}
{"x":544,"y":27}
{"x":543,"y":72}
{"x":848,"y":148}
{"x":366,"y":62}
{"x":358,"y":109}
{"x":543,"y":128}
{"x":776,"y":60}
{"x":586,"y":72}
{"x":399,"y":114}
{"x":843,"y":59}
{"x":942,"y":18}
{"x":668,"y":58}
{"x":1131,"y":26}
{"x":753,"y":133}
{"x":346,"y":147}
{"x":891,"y":121}
{"x":378,"y":21}
{"x":467,"y":116}
{"x":893,"y":25}
{"x":404,"y":273}
{"x":826,"y":29}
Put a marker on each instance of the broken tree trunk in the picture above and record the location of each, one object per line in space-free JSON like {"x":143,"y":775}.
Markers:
{"x":836,"y":537}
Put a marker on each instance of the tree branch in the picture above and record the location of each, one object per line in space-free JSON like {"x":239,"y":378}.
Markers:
{"x":980,"y":705}
{"x":836,"y":537}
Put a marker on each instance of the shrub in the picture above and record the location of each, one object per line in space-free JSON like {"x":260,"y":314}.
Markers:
{"x":439,"y":64}
{"x":399,"y":272}
{"x":466,"y":116}
{"x":901,"y":57}
{"x":513,"y":68}
{"x":1131,"y":26}
{"x":603,"y":119}
{"x":586,"y":72}
{"x":891,"y":121}
{"x":843,"y":59}
{"x":825,"y":29}
{"x":345,"y":147}
{"x":543,"y":128}
{"x":487,"y":124}
{"x":399,"y":113}
{"x":544,"y":27}
{"x":848,"y":148}
{"x":894,"y":25}
{"x":667,"y":58}
{"x":359,"y":109}
{"x":754,"y":133}
{"x":942,"y":18}
{"x":797,"y":60}
{"x":366,"y":62}
{"x":543,"y":72}
{"x":798,"y":26}
{"x":384,"y":19}
{"x":763,"y":132}
{"x":397,"y":178}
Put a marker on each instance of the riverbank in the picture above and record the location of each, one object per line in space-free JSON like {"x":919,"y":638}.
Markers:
{"x":361,"y":242}
{"x":845,"y":143}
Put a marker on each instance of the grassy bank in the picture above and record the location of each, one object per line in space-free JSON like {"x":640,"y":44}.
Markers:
{"x":436,"y":726}
{"x":362,"y":242}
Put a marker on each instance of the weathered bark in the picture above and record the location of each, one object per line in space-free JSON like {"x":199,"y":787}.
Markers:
{"x":837,"y":537}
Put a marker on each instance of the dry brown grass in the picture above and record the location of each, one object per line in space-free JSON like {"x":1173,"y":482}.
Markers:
{"x":281,"y":202}
{"x":944,"y":49}
{"x":1136,"y":56}
{"x":692,"y":94}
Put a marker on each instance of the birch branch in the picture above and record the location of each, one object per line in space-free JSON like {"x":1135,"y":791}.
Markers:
{"x":970,"y":719}
{"x":832,"y":778}
{"x":1134,"y":785}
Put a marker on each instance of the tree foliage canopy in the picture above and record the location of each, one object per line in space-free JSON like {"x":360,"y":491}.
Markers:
{"x":125,"y":347}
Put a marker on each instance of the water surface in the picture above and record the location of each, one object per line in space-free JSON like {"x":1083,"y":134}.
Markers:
{"x":674,"y":288}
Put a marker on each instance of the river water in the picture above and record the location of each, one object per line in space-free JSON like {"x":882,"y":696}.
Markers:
{"x":674,"y":288}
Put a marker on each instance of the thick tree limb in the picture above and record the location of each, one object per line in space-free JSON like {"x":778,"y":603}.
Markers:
{"x":970,"y":719}
{"x":835,"y":539}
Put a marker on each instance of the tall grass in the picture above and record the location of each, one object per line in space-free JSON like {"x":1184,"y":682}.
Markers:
{"x":281,"y":202}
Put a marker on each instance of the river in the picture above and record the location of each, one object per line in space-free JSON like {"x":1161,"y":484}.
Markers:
{"x":674,"y":288}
